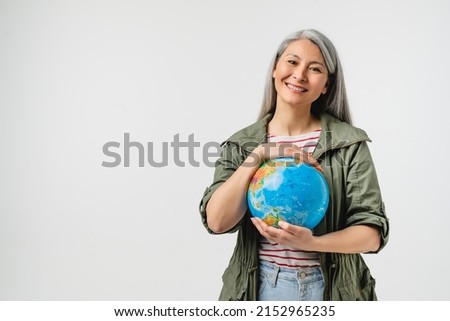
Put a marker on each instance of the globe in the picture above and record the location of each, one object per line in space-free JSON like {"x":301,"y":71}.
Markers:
{"x":284,"y":189}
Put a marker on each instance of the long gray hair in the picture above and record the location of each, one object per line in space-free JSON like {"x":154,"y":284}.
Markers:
{"x":335,"y":100}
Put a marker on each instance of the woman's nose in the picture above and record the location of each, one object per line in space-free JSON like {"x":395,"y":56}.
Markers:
{"x":300,"y":74}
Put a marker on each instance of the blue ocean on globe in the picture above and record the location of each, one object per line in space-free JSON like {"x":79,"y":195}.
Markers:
{"x":283,"y":189}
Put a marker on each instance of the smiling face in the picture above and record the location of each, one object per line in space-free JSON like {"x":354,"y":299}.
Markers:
{"x":300,"y":75}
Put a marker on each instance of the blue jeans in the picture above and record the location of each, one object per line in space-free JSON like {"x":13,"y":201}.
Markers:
{"x":283,"y":284}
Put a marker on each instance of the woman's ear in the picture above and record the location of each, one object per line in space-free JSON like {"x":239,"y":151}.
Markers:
{"x":325,"y":88}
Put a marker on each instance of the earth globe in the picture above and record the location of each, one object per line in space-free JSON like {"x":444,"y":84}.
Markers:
{"x":285,"y":189}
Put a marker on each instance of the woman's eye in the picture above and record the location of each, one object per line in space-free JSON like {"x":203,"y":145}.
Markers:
{"x":315,"y":69}
{"x":292,"y":62}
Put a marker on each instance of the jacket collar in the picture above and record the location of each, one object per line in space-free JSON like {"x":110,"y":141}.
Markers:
{"x":335,"y":134}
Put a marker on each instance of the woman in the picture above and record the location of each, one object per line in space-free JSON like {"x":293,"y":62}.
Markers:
{"x":304,"y":115}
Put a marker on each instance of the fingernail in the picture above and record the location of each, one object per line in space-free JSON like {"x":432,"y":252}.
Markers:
{"x":282,"y":224}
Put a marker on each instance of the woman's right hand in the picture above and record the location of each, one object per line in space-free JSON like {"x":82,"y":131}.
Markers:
{"x":268,"y":151}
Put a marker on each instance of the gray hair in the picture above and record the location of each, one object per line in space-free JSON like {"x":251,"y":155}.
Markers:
{"x":335,"y":100}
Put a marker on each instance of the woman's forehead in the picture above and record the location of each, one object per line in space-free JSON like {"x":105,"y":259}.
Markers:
{"x":304,"y":49}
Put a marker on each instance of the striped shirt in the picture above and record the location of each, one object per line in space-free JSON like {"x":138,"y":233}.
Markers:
{"x":282,"y":255}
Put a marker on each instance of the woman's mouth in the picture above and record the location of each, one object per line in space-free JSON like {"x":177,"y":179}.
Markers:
{"x":296,"y":89}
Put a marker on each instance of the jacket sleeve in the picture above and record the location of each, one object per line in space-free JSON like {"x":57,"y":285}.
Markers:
{"x":229,"y":160}
{"x":364,"y":202}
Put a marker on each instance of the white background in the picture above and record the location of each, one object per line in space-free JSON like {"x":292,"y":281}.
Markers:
{"x":77,"y":74}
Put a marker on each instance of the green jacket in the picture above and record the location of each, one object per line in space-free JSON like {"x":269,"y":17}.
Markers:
{"x":355,"y":199}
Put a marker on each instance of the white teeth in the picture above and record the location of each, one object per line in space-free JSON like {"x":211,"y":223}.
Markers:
{"x":295,"y":88}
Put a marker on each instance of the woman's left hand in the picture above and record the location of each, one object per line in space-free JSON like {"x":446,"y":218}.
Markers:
{"x":352,"y":239}
{"x":288,"y":234}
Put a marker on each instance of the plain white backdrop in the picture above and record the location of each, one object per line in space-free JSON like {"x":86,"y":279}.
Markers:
{"x":75,"y":75}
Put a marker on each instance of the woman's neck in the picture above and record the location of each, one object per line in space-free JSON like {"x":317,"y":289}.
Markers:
{"x":292,"y":122}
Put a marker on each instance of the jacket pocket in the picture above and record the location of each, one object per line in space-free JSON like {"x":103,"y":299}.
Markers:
{"x":240,"y":285}
{"x":360,"y":289}
{"x":234,"y":286}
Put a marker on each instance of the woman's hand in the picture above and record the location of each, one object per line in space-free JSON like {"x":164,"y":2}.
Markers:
{"x":267,"y":151}
{"x":294,"y":236}
{"x":352,"y":239}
